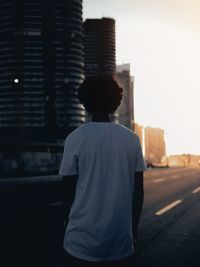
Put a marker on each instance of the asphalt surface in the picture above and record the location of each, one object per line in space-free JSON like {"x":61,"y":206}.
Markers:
{"x":169,"y":233}
{"x":32,"y":216}
{"x":31,"y":222}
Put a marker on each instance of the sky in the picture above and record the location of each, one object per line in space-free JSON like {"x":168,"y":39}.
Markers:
{"x":161,"y":41}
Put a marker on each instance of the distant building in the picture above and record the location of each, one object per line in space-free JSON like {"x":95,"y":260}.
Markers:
{"x":99,"y":49}
{"x":125,"y":110}
{"x":155,"y":148}
{"x":41,"y":65}
{"x":99,"y":46}
{"x":184,"y":160}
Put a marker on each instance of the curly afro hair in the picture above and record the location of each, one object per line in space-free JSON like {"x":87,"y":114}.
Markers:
{"x":100,"y":94}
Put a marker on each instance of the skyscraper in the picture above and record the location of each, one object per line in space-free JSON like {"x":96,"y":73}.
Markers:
{"x":99,"y":49}
{"x":99,"y":46}
{"x":41,"y":64}
{"x":125,"y":110}
{"x":155,"y":148}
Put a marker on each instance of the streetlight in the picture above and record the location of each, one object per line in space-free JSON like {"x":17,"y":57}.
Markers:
{"x":16,"y":80}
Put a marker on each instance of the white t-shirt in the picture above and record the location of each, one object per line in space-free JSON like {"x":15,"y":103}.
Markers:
{"x":105,"y":157}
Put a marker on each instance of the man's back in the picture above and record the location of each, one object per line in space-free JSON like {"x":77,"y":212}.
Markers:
{"x":105,"y":156}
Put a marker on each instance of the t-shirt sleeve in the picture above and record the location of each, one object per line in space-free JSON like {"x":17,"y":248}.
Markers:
{"x":69,"y":163}
{"x":140,"y":163}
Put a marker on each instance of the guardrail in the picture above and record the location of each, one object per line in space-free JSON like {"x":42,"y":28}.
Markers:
{"x":30,"y":180}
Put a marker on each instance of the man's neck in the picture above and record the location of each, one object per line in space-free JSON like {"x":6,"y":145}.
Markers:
{"x":100,"y":118}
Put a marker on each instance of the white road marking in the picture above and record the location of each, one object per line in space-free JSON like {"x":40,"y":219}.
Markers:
{"x":168,"y":207}
{"x":196,"y":190}
{"x":159,"y":180}
{"x":176,"y":176}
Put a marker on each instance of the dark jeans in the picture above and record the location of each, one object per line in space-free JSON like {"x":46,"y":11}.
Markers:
{"x":71,"y":261}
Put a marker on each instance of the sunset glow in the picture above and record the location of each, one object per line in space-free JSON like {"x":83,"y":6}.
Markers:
{"x":162,"y":43}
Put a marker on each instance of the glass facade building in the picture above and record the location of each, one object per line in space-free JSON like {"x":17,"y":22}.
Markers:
{"x":41,"y":65}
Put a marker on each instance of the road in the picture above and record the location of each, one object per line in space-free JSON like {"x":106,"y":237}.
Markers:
{"x":169,"y":233}
{"x":32,"y":215}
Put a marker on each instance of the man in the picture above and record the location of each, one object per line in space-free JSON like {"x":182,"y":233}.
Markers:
{"x":102,"y":169}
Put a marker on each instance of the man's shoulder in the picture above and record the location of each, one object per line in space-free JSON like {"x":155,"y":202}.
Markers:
{"x":75,"y":134}
{"x":127,"y":131}
{"x":85,"y":128}
{"x":78,"y":132}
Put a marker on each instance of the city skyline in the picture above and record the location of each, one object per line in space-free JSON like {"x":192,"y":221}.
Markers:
{"x":161,"y":42}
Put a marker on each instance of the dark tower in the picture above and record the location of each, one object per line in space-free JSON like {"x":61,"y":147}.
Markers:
{"x":41,"y":65}
{"x":99,"y":46}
